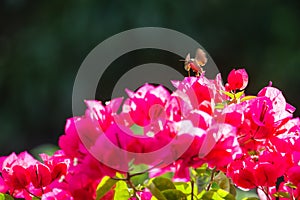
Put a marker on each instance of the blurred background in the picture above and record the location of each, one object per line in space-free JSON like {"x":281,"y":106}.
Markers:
{"x":43,"y":43}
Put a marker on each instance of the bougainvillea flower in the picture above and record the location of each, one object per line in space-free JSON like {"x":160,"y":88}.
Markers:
{"x":3,"y":186}
{"x":237,"y":80}
{"x":216,"y":146}
{"x":189,"y":140}
{"x":198,"y":93}
{"x":102,"y":116}
{"x":82,"y":186}
{"x":255,"y":141}
{"x":194,"y":93}
{"x":40,"y":175}
{"x":281,"y":109}
{"x":14,"y":171}
{"x":57,"y":194}
{"x":261,"y":170}
{"x":58,"y":164}
{"x":232,"y":114}
{"x":23,"y":159}
{"x":146,"y":104}
{"x":19,"y":178}
{"x":293,"y":175}
{"x":145,"y":195}
{"x":241,"y":171}
{"x":223,"y":145}
{"x":70,"y":143}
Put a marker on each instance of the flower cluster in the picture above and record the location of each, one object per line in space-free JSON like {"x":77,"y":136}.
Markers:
{"x":25,"y":177}
{"x":254,"y":140}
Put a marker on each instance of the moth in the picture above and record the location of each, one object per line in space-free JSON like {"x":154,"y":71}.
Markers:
{"x":195,"y":64}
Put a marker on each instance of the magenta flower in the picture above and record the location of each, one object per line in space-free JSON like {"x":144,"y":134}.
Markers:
{"x":70,"y":142}
{"x":57,"y":194}
{"x":14,"y":172}
{"x":241,"y":171}
{"x":102,"y":116}
{"x":3,"y":187}
{"x":237,"y":80}
{"x":81,"y":186}
{"x":194,"y":93}
{"x":254,"y":140}
{"x":146,"y":105}
{"x":40,"y":175}
{"x":293,"y":175}
{"x":19,"y":178}
{"x":58,"y":164}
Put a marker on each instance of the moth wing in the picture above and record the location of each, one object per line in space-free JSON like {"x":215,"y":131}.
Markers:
{"x":188,"y":58}
{"x":201,"y":57}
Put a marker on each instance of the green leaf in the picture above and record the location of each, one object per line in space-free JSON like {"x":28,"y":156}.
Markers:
{"x":162,"y":183}
{"x":184,"y":187}
{"x":239,"y":94}
{"x":219,"y":106}
{"x":250,"y":198}
{"x":155,"y":192}
{"x":240,"y":194}
{"x":137,"y":130}
{"x":215,"y":186}
{"x":228,"y":94}
{"x":158,"y":185}
{"x":5,"y":197}
{"x":173,"y":194}
{"x":202,"y":181}
{"x":222,"y":105}
{"x":282,"y":194}
{"x":119,"y":175}
{"x":121,"y":191}
{"x":246,"y":98}
{"x":226,"y":195}
{"x":223,"y":182}
{"x":48,"y":149}
{"x":202,"y":176}
{"x":168,"y":175}
{"x":104,"y":186}
{"x":209,"y":195}
{"x":232,"y":190}
{"x":290,"y":185}
{"x":202,"y":170}
{"x":217,"y":195}
{"x":139,"y":179}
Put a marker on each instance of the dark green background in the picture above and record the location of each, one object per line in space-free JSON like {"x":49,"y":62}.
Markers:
{"x":42,"y":44}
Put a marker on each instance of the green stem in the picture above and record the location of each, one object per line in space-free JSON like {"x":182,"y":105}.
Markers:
{"x":211,"y":178}
{"x":192,"y":193}
{"x":129,"y":176}
{"x":136,"y":174}
{"x":132,"y":185}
